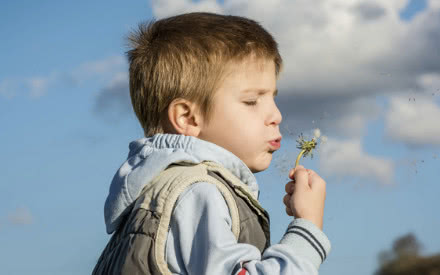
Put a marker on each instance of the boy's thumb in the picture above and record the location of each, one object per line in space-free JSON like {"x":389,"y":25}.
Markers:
{"x":293,"y":171}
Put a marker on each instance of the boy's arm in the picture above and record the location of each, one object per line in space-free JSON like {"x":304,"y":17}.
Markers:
{"x":200,"y":241}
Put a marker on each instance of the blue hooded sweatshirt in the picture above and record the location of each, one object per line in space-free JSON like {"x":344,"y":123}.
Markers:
{"x":200,"y":240}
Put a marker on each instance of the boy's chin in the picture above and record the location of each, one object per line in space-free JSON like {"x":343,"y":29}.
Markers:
{"x":259,"y":168}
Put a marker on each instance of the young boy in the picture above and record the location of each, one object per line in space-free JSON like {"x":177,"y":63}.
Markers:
{"x":186,"y":200}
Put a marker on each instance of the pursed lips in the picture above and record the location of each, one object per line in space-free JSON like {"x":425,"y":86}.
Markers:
{"x":276,"y":143}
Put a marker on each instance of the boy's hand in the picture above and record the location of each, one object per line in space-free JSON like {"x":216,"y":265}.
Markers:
{"x":305,"y":195}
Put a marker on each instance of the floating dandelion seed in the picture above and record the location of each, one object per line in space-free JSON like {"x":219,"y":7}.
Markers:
{"x":414,"y":163}
{"x":290,"y":132}
{"x":317,"y":133}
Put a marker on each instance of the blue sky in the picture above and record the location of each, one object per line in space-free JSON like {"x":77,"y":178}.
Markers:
{"x":66,"y":124}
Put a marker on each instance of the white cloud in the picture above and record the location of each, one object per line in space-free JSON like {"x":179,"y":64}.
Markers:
{"x":104,"y":65}
{"x":21,"y":216}
{"x":430,"y":83}
{"x":164,"y":8}
{"x":434,"y":4}
{"x":346,"y":158}
{"x":413,"y":120}
{"x":37,"y":86}
{"x":102,"y":68}
{"x":330,"y":49}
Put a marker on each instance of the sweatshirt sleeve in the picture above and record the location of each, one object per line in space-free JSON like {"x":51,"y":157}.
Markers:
{"x":200,"y":241}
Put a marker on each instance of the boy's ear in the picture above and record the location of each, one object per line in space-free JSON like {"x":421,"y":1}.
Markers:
{"x":184,"y":118}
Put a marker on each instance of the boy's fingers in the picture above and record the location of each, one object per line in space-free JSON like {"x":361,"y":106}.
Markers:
{"x":290,"y":186}
{"x":286,"y":200}
{"x":301,"y":178}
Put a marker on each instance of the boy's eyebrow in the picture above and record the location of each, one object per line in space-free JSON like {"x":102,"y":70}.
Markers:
{"x":259,"y":91}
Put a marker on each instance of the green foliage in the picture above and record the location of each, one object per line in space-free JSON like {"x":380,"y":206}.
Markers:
{"x":404,"y":259}
{"x":412,"y":265}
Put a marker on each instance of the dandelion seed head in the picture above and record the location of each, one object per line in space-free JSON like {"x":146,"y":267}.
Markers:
{"x":305,"y":145}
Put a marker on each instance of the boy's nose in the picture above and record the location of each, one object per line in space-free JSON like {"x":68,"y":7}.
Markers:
{"x":275,"y":116}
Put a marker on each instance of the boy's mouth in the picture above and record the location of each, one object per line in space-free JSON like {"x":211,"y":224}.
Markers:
{"x":275,"y":144}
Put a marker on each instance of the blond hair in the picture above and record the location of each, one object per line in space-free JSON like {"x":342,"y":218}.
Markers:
{"x":185,"y":56}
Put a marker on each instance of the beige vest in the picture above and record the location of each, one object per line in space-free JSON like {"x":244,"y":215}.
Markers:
{"x":138,"y":246}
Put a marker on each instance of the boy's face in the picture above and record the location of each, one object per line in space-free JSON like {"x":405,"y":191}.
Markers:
{"x":245,"y":118}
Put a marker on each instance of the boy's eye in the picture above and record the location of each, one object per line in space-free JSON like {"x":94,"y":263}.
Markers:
{"x":250,"y":103}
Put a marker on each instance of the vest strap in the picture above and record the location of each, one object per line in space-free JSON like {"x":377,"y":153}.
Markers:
{"x":170,"y":201}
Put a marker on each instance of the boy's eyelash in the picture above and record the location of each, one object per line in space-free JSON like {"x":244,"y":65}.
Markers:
{"x":250,"y":103}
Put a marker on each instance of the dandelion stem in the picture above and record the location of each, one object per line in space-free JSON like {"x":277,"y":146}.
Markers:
{"x":299,"y":156}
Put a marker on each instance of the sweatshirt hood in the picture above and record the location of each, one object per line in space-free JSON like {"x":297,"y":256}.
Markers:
{"x":149,"y":156}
